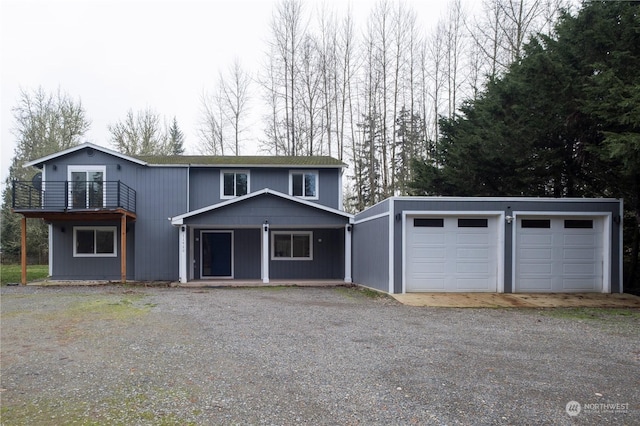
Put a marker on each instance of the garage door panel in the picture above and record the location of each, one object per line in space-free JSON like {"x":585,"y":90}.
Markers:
{"x":534,"y":285}
{"x":422,"y":268}
{"x":581,"y":254}
{"x":472,"y":253}
{"x":541,"y":268}
{"x":580,"y":240}
{"x":472,"y":268}
{"x":559,"y":257}
{"x":535,"y":240}
{"x":473,"y":238}
{"x":428,"y":253}
{"x":587,"y":269}
{"x":431,"y":284}
{"x":451,"y":257}
{"x":536,"y":254}
{"x":471,"y":284}
{"x":578,"y":284}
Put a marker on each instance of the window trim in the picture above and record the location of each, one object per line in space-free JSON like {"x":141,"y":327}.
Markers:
{"x":86,"y":169}
{"x":303,"y":173}
{"x":291,"y":234}
{"x":235,"y":172}
{"x":114,"y":231}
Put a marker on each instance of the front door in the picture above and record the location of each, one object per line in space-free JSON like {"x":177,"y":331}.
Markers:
{"x":217,"y":254}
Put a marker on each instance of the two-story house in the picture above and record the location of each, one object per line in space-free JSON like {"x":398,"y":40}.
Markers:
{"x":196,"y":218}
{"x":118,"y":217}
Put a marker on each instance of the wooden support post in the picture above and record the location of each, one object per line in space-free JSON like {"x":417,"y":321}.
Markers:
{"x":23,"y":252}
{"x":123,"y":249}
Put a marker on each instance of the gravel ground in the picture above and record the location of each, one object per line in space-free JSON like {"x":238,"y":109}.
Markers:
{"x":135,"y":355}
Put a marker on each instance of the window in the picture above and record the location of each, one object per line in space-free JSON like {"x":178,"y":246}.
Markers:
{"x":536,"y":223}
{"x":99,"y":241}
{"x":86,"y":187}
{"x":304,"y":184}
{"x":473,"y":223}
{"x":234,"y":183}
{"x":578,"y":224}
{"x":428,"y":223}
{"x":291,"y":246}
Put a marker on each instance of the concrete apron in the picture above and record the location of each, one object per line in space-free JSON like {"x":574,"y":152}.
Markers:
{"x":523,"y":300}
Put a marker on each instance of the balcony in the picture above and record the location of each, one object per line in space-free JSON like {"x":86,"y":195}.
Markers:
{"x":66,"y":200}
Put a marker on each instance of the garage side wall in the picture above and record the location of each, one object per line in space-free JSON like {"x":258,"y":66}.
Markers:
{"x":370,"y":257}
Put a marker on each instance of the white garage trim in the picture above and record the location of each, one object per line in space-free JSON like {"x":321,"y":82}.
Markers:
{"x":499,"y":216}
{"x":606,"y":242}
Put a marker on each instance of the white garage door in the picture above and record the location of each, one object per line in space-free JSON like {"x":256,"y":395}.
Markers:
{"x":561,"y":254}
{"x":447,"y":254}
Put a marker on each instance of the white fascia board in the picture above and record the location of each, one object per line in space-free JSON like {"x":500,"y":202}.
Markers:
{"x":528,"y":199}
{"x":81,"y":147}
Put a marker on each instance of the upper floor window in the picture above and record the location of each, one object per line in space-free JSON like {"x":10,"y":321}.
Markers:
{"x":86,"y":186}
{"x":304,"y":184}
{"x":234,"y":183}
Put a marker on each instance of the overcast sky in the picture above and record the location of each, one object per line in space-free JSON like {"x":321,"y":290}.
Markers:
{"x":119,"y":55}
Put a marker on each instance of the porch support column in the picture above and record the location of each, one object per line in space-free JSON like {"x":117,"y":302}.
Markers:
{"x":265,"y":253}
{"x":23,"y":251}
{"x":123,"y":248}
{"x":182,"y":262}
{"x":347,"y":253}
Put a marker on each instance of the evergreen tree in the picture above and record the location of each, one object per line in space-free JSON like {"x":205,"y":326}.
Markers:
{"x":563,"y":121}
{"x":176,"y":139}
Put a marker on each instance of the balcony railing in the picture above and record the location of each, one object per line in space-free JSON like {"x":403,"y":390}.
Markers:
{"x":73,"y":196}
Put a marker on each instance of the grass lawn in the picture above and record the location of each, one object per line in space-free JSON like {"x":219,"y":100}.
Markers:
{"x":12,"y":273}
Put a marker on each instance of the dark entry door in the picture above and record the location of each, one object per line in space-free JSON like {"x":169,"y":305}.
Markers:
{"x":217,"y":254}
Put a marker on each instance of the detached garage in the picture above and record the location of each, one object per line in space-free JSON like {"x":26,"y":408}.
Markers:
{"x":455,"y":244}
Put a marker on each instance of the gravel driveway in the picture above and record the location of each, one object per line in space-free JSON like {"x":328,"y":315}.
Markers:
{"x":135,"y":355}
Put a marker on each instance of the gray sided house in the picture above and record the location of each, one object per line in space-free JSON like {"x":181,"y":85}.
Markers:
{"x":206,"y":218}
{"x":511,"y":245}
{"x":184,"y":218}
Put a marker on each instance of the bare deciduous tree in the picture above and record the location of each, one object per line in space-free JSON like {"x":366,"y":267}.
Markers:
{"x":234,"y":92}
{"x":140,"y":134}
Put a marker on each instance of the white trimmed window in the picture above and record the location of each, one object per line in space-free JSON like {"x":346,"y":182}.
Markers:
{"x":234,"y":183}
{"x":86,"y":186}
{"x":291,"y":245}
{"x":95,"y":241}
{"x":304,"y":184}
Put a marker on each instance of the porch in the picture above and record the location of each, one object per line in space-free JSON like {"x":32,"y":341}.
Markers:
{"x":74,"y":201}
{"x":260,"y":283}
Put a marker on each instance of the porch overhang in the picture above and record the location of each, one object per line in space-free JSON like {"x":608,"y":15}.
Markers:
{"x":119,"y":214}
{"x":180,"y":219}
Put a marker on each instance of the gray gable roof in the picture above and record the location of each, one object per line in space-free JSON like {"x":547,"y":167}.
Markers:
{"x":244,"y":161}
{"x":204,"y":160}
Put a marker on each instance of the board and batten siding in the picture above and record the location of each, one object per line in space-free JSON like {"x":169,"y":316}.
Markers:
{"x":327,"y":263}
{"x":67,"y":267}
{"x":161,"y":195}
{"x":370,"y":253}
{"x":266,"y":207}
{"x":204,"y":184}
{"x":370,"y":247}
